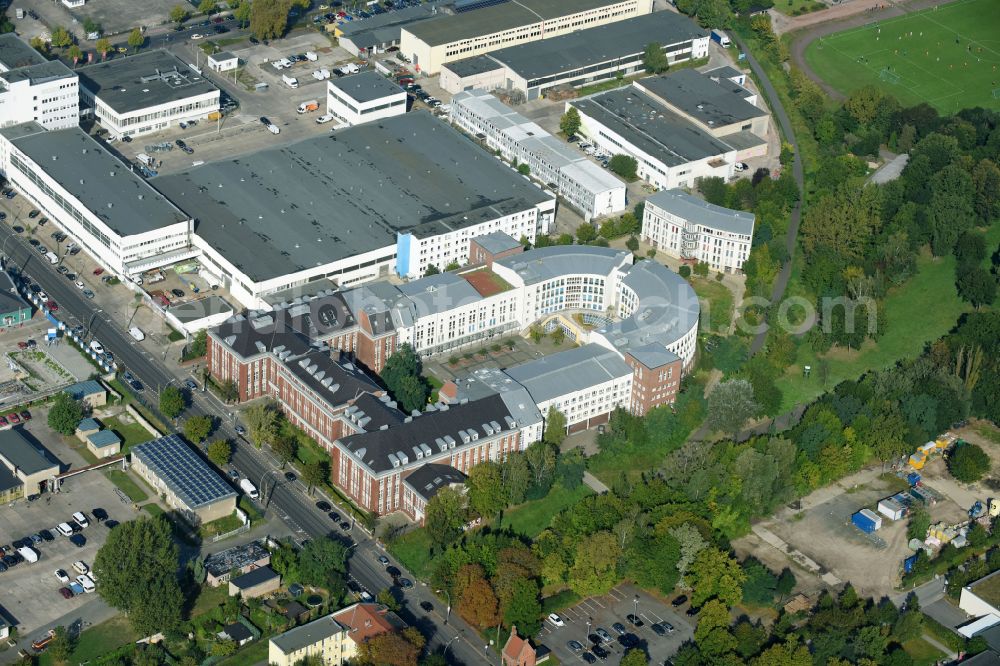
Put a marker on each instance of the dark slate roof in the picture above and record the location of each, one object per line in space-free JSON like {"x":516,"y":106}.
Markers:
{"x":179,"y":467}
{"x":427,"y":433}
{"x":82,"y":389}
{"x":40,"y":73}
{"x":603,"y":43}
{"x":254,"y":578}
{"x":471,"y":66}
{"x":703,"y":99}
{"x":15,"y":52}
{"x":370,"y":412}
{"x":10,"y":300}
{"x":332,"y":380}
{"x":237,"y":632}
{"x":21,"y":453}
{"x":7,"y":480}
{"x":289,"y":209}
{"x":426,"y":481}
{"x":142,"y":81}
{"x":366,"y":86}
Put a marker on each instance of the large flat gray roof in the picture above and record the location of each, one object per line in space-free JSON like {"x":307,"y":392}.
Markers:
{"x":489,"y":20}
{"x":141,"y":81}
{"x":99,"y":180}
{"x":15,"y":52}
{"x":285,"y":210}
{"x":650,"y":126}
{"x":479,"y":64}
{"x":22,"y":454}
{"x":569,"y":371}
{"x":703,"y":99}
{"x":692,"y":208}
{"x":599,"y":44}
{"x":44,"y":71}
{"x":366,"y":86}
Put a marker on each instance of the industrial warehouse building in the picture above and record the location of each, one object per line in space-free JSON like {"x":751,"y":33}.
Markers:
{"x":580,"y":182}
{"x":381,"y":31}
{"x":187,"y":482}
{"x":670,"y":125}
{"x":26,"y":469}
{"x":112,"y":213}
{"x":579,"y":58}
{"x":473,"y":30}
{"x":352,"y":207}
{"x":364,"y":97}
{"x":35,"y":89}
{"x":146,"y":93}
{"x":689,"y":228}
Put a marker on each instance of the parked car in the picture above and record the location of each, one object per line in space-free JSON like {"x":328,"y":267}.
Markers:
{"x":556,"y":620}
{"x":78,"y":540}
{"x":62,"y":576}
{"x":635,"y":620}
{"x":679,"y":601}
{"x":323,"y":506}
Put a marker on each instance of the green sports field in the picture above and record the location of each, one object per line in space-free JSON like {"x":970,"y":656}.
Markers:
{"x":948,"y":56}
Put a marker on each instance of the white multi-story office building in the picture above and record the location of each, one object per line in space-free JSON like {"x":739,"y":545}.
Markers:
{"x":580,"y":182}
{"x":474,"y":31}
{"x":363,"y":97}
{"x":112,"y":213}
{"x":35,"y":89}
{"x":690,"y":228}
{"x":146,"y":93}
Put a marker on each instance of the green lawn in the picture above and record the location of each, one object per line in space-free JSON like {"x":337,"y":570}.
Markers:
{"x":131,"y":433}
{"x":254,"y":653}
{"x":153,"y":509}
{"x":532,"y":517}
{"x":98,"y":640}
{"x":947,"y":56}
{"x":923,"y":309}
{"x":922,"y":652}
{"x":413,"y":550}
{"x":798,"y":7}
{"x":127,"y":485}
{"x":717,"y":300}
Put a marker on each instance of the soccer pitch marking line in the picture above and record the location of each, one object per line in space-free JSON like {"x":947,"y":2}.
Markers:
{"x":907,"y":86}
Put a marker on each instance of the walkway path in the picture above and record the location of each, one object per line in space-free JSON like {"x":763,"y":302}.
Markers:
{"x":594,"y":483}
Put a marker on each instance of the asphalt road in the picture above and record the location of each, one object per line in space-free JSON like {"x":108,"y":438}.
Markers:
{"x":286,"y":500}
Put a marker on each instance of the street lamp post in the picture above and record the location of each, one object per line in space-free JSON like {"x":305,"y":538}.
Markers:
{"x":448,"y":611}
{"x":263,"y":489}
{"x":635,"y":605}
{"x":589,"y":622}
{"x":446,"y":646}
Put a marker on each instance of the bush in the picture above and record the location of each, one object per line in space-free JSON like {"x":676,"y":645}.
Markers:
{"x":625,"y":166}
{"x":684,"y":271}
{"x":968,"y":463}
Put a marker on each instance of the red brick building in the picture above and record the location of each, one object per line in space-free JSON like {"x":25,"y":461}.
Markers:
{"x":656,"y":377}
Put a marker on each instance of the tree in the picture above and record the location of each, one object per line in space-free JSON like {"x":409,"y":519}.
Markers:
{"x":137,"y":567}
{"x":431,"y":270}
{"x":268,"y":18}
{"x":977,"y":287}
{"x":242,"y":13}
{"x":524,"y":609}
{"x":632,"y":243}
{"x":75,"y":53}
{"x":179,"y":14}
{"x":385,"y":598}
{"x":315,"y":474}
{"x":730,"y":404}
{"x":392,"y":648}
{"x":286,"y":448}
{"x":634,"y":657}
{"x":625,"y":166}
{"x":595,"y":564}
{"x":322,"y":563}
{"x":968,"y":463}
{"x":103,"y":46}
{"x":171,"y":402}
{"x":220,"y":451}
{"x":39,"y":45}
{"x":262,"y":423}
{"x":197,"y":428}
{"x":136,"y":39}
{"x":229,"y":391}
{"x":684,"y":271}
{"x":524,"y":170}
{"x":207,"y":7}
{"x":586,"y":233}
{"x":569,"y":123}
{"x":487,"y":495}
{"x":654,"y":60}
{"x":62,"y":645}
{"x":555,"y":427}
{"x":715,"y":574}
{"x":65,"y":414}
{"x":199,"y":345}
{"x":918,"y":524}
{"x":445,"y":515}
{"x":401,"y":375}
{"x":516,"y":473}
{"x":61,"y":37}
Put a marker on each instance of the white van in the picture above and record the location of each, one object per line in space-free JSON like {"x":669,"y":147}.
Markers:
{"x":64,"y":529}
{"x":137,"y":333}
{"x":273,"y":129}
{"x":251,"y":490}
{"x":311,"y":56}
{"x":28,"y":554}
{"x":143,"y":158}
{"x":86,"y":582}
{"x":290,"y":81}
{"x":53,"y":259}
{"x":81,"y":567}
{"x":81,"y":519}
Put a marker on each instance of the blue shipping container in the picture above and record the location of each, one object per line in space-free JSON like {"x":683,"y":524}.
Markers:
{"x":913,"y":479}
{"x":909,"y":563}
{"x":863,"y":522}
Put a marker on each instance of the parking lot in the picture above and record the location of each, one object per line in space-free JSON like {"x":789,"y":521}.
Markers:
{"x":31,"y":591}
{"x":601,"y":613}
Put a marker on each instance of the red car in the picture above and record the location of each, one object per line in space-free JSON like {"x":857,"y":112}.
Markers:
{"x":52,"y":306}
{"x":22,"y":345}
{"x":25,"y":415}
{"x":3,"y":421}
{"x":98,"y":271}
{"x":13,"y":417}
{"x":66,"y":592}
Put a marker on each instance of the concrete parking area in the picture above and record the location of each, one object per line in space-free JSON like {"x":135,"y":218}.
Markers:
{"x":593,"y":613}
{"x":31,"y":591}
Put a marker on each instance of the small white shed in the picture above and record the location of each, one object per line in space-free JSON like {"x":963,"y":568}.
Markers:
{"x":223,"y":61}
{"x":891,"y":509}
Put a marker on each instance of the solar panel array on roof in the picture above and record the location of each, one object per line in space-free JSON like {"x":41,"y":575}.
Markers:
{"x":469,"y":5}
{"x":187,"y":475}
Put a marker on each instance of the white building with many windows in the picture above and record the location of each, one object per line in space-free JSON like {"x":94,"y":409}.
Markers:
{"x":689,"y":228}
{"x":471,"y":31}
{"x":364,"y":97}
{"x":580,"y":182}
{"x":113,"y":214}
{"x":146,"y":93}
{"x":35,"y":89}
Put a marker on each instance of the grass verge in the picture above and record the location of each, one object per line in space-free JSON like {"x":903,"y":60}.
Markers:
{"x":98,"y":640}
{"x":717,"y":300}
{"x":922,"y":653}
{"x":127,"y":485}
{"x":532,"y":517}
{"x":413,"y":550}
